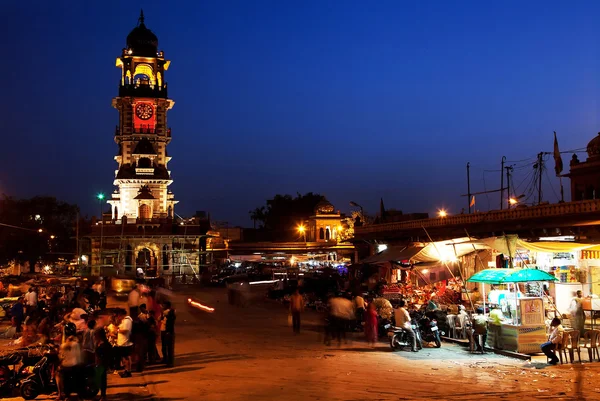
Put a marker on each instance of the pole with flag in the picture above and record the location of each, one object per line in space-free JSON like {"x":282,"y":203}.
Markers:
{"x":558,"y":167}
{"x":472,"y":201}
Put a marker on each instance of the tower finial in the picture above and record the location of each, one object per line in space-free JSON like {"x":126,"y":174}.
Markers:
{"x":141,"y":19}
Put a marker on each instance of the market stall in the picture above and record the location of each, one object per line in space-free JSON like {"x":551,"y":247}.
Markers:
{"x":522,"y":327}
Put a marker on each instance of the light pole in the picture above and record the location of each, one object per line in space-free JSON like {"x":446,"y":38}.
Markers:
{"x":100,"y":198}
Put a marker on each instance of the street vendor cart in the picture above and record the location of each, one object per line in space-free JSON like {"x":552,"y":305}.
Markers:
{"x":523,"y":328}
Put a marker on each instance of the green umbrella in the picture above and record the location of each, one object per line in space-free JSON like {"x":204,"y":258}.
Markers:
{"x":502,"y":276}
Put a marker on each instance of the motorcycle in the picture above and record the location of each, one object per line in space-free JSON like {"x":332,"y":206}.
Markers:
{"x":427,"y":330}
{"x":16,"y":366}
{"x":41,"y":381}
{"x":399,"y":338}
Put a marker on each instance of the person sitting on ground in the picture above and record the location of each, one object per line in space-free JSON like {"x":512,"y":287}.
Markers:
{"x":555,"y":338}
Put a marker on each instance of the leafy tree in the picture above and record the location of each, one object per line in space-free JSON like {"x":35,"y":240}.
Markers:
{"x":284,"y":213}
{"x":21,"y":221}
{"x":258,"y":214}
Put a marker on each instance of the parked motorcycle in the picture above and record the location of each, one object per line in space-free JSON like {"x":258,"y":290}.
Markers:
{"x":15,"y":367}
{"x":41,"y":381}
{"x":427,"y":329}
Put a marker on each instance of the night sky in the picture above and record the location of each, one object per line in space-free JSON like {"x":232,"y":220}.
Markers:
{"x":356,"y":100}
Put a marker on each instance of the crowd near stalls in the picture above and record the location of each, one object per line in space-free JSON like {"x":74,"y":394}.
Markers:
{"x":59,"y":336}
{"x":499,"y":292}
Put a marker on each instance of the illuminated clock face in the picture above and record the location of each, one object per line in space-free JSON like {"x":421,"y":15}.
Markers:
{"x":144,"y":111}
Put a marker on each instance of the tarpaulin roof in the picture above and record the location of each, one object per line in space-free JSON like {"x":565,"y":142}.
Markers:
{"x":554,"y":246}
{"x":502,"y":276}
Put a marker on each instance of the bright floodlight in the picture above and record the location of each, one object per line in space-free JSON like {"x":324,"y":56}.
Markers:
{"x":442,"y":213}
{"x":513,"y":201}
{"x":301,"y":228}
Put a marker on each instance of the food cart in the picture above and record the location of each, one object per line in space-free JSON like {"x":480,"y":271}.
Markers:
{"x":523,"y":328}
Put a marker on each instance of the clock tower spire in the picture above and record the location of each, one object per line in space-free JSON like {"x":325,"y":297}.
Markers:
{"x":142,"y":177}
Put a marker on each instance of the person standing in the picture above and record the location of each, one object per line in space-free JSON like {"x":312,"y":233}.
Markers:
{"x":577,"y":313}
{"x":359,"y":308}
{"x":555,"y":338}
{"x":480,"y":329}
{"x":134,"y":301}
{"x":17,"y":313}
{"x":371,"y":324}
{"x":31,"y":300}
{"x":124,"y":345}
{"x":70,"y":363}
{"x":403,"y":321}
{"x":167,"y":334}
{"x":103,"y":357}
{"x":296,"y":308}
{"x":88,"y":343}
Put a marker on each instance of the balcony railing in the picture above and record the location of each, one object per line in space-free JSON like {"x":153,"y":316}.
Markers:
{"x":143,"y":90}
{"x":142,"y":130}
{"x":519,"y":213}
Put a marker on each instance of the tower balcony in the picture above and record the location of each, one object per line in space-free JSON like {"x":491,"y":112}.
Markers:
{"x":142,"y":130}
{"x":152,"y":91}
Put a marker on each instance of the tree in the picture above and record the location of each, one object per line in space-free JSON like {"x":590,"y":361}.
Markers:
{"x":21,"y":221}
{"x":258,"y":214}
{"x":284,"y":213}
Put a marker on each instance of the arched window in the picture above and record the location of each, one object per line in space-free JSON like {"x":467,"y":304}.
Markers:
{"x":144,"y":212}
{"x":165,"y":257}
{"x":143,"y":75}
{"x":116,"y":212}
{"x":170,"y":211}
{"x":321,"y":233}
{"x":144,"y":162}
{"x":128,"y":78}
{"x":159,"y":79}
{"x":327,"y":234}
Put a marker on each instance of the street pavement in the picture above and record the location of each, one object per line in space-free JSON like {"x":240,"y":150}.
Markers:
{"x":250,"y":353}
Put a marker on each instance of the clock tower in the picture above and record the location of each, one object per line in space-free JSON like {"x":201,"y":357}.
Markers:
{"x":142,"y":178}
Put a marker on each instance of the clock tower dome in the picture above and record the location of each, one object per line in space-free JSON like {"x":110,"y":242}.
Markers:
{"x":142,"y":178}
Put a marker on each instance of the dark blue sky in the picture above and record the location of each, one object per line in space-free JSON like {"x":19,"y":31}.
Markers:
{"x":352,"y":99}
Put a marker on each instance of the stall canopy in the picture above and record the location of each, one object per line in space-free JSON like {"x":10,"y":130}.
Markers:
{"x":442,"y":251}
{"x":555,"y":246}
{"x":503,"y":276}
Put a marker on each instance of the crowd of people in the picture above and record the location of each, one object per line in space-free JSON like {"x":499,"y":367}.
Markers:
{"x":88,"y":334}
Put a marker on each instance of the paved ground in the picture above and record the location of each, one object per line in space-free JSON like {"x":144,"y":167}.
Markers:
{"x":251,"y":354}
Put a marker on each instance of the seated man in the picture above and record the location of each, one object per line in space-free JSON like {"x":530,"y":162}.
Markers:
{"x":555,"y":338}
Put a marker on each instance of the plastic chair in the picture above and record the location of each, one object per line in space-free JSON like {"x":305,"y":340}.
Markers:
{"x":590,"y":340}
{"x":573,"y":345}
{"x":450,"y":320}
{"x":562,"y":347}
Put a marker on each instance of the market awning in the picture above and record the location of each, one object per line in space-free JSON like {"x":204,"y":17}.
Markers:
{"x":554,"y":246}
{"x":502,"y":276}
{"x":394,"y":254}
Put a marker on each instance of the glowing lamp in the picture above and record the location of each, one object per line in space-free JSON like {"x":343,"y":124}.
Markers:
{"x":100,"y":196}
{"x":301,"y":229}
{"x":442,"y":213}
{"x":513,"y":201}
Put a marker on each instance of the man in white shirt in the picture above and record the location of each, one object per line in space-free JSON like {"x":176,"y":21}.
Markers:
{"x":124,"y":346}
{"x":403,"y":321}
{"x":31,"y":300}
{"x":555,"y":338}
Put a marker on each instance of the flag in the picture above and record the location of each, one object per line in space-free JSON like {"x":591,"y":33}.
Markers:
{"x":472,"y":201}
{"x":558,"y":164}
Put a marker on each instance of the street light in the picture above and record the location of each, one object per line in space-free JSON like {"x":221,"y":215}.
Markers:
{"x":100,"y":198}
{"x":302,"y":230}
{"x":513,"y":201}
{"x":442,"y":213}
